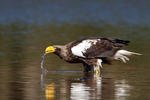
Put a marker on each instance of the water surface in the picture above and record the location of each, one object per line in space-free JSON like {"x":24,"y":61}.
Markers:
{"x":22,"y":77}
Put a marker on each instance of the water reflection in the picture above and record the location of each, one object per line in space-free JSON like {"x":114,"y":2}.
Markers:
{"x":20,"y":72}
{"x":82,"y":86}
{"x":87,"y":88}
{"x":122,"y":89}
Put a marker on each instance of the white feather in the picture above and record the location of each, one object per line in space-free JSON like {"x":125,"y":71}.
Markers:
{"x":81,"y":48}
{"x":127,"y":53}
{"x":121,"y":55}
{"x":99,"y":63}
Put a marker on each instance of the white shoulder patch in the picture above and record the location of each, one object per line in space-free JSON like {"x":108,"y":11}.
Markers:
{"x":81,"y":48}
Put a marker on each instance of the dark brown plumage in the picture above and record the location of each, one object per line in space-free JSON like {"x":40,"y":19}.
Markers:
{"x":91,"y":52}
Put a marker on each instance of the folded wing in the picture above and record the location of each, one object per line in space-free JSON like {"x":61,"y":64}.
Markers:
{"x":97,"y":47}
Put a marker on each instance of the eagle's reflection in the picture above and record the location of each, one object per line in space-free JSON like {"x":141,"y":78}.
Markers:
{"x":86,"y":88}
{"x":77,"y":86}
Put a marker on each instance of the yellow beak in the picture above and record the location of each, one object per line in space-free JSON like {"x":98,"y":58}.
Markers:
{"x":50,"y":49}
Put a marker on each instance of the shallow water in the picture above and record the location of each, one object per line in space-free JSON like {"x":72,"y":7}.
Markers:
{"x":22,"y":77}
{"x":26,"y":29}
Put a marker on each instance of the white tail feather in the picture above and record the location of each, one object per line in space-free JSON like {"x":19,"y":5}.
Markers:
{"x":127,"y":53}
{"x":121,"y":55}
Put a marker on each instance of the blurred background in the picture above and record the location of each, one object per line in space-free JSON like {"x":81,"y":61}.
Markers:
{"x":28,"y":26}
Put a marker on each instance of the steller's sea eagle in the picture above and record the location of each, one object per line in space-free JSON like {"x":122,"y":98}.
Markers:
{"x":92,"y":52}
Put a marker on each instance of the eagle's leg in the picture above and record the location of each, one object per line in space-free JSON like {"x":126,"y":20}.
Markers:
{"x":97,"y":70}
{"x":97,"y":67}
{"x":86,"y":67}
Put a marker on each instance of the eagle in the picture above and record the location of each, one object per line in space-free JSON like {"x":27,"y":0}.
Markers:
{"x":92,"y":52}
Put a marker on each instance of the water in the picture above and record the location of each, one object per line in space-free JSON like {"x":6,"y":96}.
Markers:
{"x":27,"y":28}
{"x":22,"y":77}
{"x":42,"y":64}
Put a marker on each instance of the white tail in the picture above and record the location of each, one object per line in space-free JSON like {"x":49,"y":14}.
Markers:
{"x":121,"y":55}
{"x":127,"y":53}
